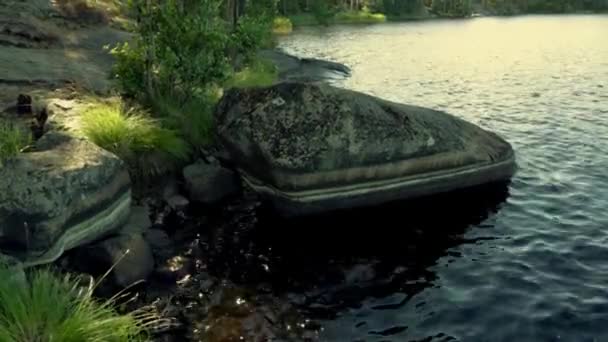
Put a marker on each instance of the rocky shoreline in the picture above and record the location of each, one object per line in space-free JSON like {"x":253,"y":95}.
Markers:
{"x":202,"y":248}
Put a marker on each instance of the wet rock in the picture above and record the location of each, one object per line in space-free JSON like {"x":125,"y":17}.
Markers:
{"x":66,"y":193}
{"x":359,"y":274}
{"x":312,"y":148}
{"x":292,"y":68}
{"x":139,"y":220}
{"x":24,"y":104}
{"x":178,"y":202}
{"x":130,"y":255}
{"x":210,"y":183}
{"x":160,"y":242}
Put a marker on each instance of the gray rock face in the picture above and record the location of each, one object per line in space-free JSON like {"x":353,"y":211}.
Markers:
{"x":66,"y":193}
{"x":209,"y":182}
{"x":292,"y":68}
{"x":314,"y":147}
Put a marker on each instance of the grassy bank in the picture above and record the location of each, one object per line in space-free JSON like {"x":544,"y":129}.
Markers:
{"x":350,"y":17}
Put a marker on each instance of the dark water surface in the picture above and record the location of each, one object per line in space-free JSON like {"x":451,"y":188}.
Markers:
{"x":526,"y":261}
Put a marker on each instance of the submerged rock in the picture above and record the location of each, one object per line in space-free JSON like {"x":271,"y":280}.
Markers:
{"x":313,"y":147}
{"x":129,"y":255}
{"x":209,"y":183}
{"x":66,"y":193}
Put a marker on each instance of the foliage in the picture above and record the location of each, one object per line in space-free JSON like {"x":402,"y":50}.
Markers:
{"x":183,"y":52}
{"x":193,"y":119}
{"x":322,"y":12}
{"x":260,"y":73}
{"x":46,"y":307}
{"x":179,"y":48}
{"x":282,"y":25}
{"x":13,"y":140}
{"x":134,"y":136}
{"x":452,"y":8}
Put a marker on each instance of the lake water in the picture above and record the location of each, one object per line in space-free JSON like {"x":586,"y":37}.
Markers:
{"x":532,"y":265}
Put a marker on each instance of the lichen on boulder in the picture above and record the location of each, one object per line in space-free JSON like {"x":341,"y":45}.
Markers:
{"x":315,"y":147}
{"x":65,"y":193}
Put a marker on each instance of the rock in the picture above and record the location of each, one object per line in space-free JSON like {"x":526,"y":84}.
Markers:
{"x":159,"y":241}
{"x":24,"y":104}
{"x":178,"y":202}
{"x":130,"y":255}
{"x":293,"y":68}
{"x":210,"y":183}
{"x":139,"y":221}
{"x":66,"y":193}
{"x":312,"y":147}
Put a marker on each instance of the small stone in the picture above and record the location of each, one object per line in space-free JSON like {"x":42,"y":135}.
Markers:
{"x":139,"y":220}
{"x":130,"y":255}
{"x":210,"y":183}
{"x":160,"y":243}
{"x":24,"y":104}
{"x":178,"y":202}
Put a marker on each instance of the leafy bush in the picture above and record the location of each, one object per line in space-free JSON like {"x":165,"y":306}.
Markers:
{"x":282,"y":25}
{"x":13,"y":140}
{"x":178,"y":49}
{"x":47,"y":307}
{"x":193,"y":119}
{"x":322,"y":12}
{"x":134,"y":136}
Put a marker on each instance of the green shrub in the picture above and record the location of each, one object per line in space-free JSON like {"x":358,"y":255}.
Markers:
{"x":13,"y":140}
{"x":193,"y":119}
{"x":46,"y":307}
{"x":282,"y":25}
{"x":322,"y":12}
{"x":178,"y":48}
{"x":134,"y":136}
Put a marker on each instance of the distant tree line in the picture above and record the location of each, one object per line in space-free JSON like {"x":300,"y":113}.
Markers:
{"x":442,"y":7}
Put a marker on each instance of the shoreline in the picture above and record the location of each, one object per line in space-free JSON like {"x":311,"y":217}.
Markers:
{"x":310,"y":21}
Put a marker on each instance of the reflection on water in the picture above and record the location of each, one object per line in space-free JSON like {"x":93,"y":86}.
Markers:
{"x":329,"y":264}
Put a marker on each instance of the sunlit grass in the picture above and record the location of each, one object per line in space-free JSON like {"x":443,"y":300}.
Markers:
{"x":261,"y":73}
{"x":282,"y":25}
{"x":48,"y":307}
{"x":13,"y":139}
{"x":130,"y":133}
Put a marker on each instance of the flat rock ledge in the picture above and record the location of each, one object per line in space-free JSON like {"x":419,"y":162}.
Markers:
{"x":66,"y":193}
{"x":312,"y":148}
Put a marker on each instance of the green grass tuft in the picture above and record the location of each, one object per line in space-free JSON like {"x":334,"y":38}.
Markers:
{"x":359,"y":17}
{"x":13,"y":140}
{"x":47,"y":307}
{"x":261,"y":73}
{"x":282,"y":25}
{"x":140,"y":140}
{"x":130,"y":132}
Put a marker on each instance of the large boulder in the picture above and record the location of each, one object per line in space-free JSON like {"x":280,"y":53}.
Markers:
{"x":65,"y":193}
{"x":314,"y":147}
